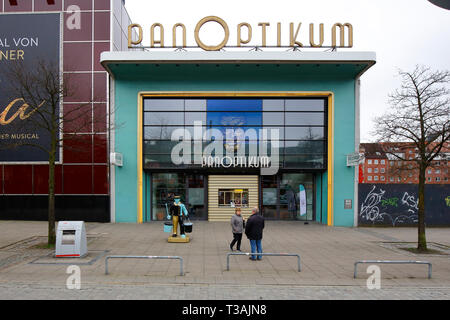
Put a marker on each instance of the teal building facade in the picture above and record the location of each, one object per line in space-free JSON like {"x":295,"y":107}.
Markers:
{"x":310,"y":98}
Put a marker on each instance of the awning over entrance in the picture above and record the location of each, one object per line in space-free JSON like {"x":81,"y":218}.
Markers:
{"x":339,"y":64}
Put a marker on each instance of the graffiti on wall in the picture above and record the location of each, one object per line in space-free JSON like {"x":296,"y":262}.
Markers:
{"x":378,"y":208}
{"x":397,"y":204}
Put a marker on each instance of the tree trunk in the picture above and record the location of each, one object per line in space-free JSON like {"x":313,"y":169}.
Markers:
{"x":421,"y":241}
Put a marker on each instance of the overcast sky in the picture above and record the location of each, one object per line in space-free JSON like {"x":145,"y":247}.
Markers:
{"x":402,"y":33}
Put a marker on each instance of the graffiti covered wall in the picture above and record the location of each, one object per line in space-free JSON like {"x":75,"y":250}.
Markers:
{"x":397,"y":205}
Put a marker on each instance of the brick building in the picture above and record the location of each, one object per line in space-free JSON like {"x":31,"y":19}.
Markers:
{"x":86,"y":28}
{"x":381,"y":167}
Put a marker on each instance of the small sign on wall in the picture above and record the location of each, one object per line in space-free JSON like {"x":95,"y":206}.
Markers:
{"x":116,"y":159}
{"x":347,"y":203}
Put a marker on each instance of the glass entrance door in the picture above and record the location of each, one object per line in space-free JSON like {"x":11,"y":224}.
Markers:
{"x":196,"y":197}
{"x":296,"y":196}
{"x":289,"y":196}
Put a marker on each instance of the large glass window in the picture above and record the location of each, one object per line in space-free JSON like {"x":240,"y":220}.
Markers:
{"x":300,"y":123}
{"x":234,"y":198}
{"x":273,"y":118}
{"x":159,"y":132}
{"x":305,"y":105}
{"x":164,"y":118}
{"x":164,"y":187}
{"x":304,"y":118}
{"x":164,"y":104}
{"x":190,"y":188}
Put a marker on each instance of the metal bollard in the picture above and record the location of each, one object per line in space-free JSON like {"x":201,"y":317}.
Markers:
{"x":393,"y":262}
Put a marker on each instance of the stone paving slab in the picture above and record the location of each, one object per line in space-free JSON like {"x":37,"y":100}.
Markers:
{"x":327,"y":256}
{"x":217,"y":292}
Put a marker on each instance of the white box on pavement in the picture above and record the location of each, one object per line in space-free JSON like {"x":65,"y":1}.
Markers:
{"x":71,"y":239}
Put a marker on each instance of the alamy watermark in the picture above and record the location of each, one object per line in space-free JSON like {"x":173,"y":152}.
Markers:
{"x":74,"y":280}
{"x":250,"y":148}
{"x":73,"y":21}
{"x":374,"y":280}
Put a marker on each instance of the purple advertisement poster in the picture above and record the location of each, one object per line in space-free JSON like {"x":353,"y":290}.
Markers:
{"x":25,"y":39}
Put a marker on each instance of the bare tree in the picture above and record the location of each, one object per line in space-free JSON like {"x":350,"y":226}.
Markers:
{"x":419,"y":116}
{"x":39,"y":91}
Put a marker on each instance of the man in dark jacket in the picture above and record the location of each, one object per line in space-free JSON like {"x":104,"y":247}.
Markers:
{"x":254,"y":232}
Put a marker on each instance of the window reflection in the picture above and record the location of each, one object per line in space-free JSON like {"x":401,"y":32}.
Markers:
{"x":300,"y":124}
{"x":163,"y":118}
{"x":304,"y":118}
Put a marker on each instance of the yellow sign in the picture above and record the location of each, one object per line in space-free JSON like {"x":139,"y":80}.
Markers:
{"x":293,"y":36}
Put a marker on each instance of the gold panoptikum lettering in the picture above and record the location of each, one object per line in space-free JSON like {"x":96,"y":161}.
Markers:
{"x":239,"y":39}
{"x":174,"y":34}
{"x":161,"y":35}
{"x":342,"y":29}
{"x":135,"y":35}
{"x":293,"y":42}
{"x":131,"y":42}
{"x":311,"y":35}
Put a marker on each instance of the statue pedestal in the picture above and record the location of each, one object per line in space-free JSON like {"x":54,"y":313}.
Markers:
{"x":178,"y":239}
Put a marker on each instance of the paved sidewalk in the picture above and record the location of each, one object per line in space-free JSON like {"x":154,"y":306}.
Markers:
{"x":327,"y":258}
{"x":218,"y":292}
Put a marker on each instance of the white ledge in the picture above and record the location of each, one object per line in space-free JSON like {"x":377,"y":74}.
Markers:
{"x":236,"y":57}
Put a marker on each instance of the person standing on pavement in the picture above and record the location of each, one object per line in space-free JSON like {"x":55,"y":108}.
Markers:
{"x":237,"y":227}
{"x":254,"y":232}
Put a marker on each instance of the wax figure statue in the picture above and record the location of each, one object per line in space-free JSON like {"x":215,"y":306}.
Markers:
{"x":178,"y":213}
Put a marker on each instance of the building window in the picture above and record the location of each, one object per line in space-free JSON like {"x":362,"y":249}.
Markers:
{"x":369,"y":178}
{"x":369,"y":170}
{"x":300,"y":123}
{"x":233,"y":198}
{"x":429,"y":171}
{"x":369,"y":161}
{"x":391,"y":179}
{"x":429,"y":178}
{"x":382,"y":170}
{"x":438,"y":171}
{"x":382,"y":162}
{"x":375,"y":161}
{"x":391,"y":163}
{"x":382,"y":178}
{"x":375,"y":178}
{"x":375,"y":170}
{"x":438,"y":178}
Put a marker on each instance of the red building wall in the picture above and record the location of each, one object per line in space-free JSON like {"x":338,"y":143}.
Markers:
{"x":84,"y":168}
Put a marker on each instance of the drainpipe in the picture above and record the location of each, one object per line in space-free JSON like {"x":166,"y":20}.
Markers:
{"x":357,"y":141}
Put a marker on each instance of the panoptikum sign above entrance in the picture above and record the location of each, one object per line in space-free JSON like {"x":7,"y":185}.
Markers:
{"x":240,"y":41}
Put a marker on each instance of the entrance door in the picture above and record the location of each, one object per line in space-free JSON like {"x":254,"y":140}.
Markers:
{"x":226,"y":192}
